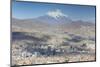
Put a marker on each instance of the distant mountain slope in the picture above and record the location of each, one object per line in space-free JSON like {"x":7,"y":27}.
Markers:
{"x":51,"y":20}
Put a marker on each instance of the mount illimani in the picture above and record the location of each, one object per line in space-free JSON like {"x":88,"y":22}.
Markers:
{"x":52,"y":22}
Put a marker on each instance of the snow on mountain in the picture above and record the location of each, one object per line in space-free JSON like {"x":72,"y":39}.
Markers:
{"x":56,"y":14}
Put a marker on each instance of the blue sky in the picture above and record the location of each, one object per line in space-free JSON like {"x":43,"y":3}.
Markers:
{"x":25,"y":10}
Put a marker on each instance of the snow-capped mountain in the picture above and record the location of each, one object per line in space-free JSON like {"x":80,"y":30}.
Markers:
{"x":54,"y":17}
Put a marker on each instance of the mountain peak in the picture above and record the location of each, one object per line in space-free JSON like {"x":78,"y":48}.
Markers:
{"x":56,"y":14}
